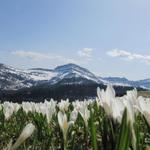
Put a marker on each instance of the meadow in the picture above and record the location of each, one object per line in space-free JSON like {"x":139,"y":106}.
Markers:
{"x":144,"y":93}
{"x":107,"y":123}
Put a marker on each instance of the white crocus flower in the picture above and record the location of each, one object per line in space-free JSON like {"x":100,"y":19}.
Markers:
{"x":27,"y":107}
{"x":144,"y":106}
{"x":8,"y":109}
{"x":130,"y":110}
{"x":113,"y":106}
{"x":64,"y":124}
{"x":106,"y":98}
{"x":76,"y":104}
{"x":49,"y":113}
{"x":132,"y":96}
{"x":81,"y":107}
{"x":85,"y":113}
{"x":47,"y":109}
{"x":63,"y":105}
{"x":129,"y":102}
{"x":74,"y":115}
{"x":16,"y":107}
{"x":117,"y":109}
{"x":26,"y":133}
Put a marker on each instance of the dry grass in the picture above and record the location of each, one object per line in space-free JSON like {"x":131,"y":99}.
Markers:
{"x":144,"y":93}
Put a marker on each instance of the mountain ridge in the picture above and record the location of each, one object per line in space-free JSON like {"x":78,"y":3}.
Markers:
{"x":13,"y":78}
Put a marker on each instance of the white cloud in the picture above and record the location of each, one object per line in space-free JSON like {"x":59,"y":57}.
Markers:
{"x":128,"y":55}
{"x":32,"y":55}
{"x":86,"y":53}
{"x":36,"y":56}
{"x":83,"y":57}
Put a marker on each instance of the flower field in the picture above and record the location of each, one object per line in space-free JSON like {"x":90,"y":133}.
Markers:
{"x":107,"y":123}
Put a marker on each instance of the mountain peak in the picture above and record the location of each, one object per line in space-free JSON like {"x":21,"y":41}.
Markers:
{"x":73,"y":68}
{"x":67,"y":66}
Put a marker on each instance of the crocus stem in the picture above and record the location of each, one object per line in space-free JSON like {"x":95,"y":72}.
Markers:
{"x":86,"y":134}
{"x":65,"y":142}
{"x":112,"y":133}
{"x":73,"y":142}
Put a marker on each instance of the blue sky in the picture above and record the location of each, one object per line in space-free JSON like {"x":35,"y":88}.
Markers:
{"x":109,"y":37}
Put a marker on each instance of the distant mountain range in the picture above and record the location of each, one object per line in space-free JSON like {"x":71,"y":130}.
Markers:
{"x":69,"y":74}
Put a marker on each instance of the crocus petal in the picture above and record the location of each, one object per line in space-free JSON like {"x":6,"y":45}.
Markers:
{"x":60,"y":119}
{"x":110,"y":93}
{"x":130,"y":111}
{"x":74,"y":115}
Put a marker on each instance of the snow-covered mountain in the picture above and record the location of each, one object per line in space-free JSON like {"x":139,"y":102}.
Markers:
{"x":13,"y":79}
{"x":76,"y":73}
{"x":145,"y":84}
{"x":118,"y":81}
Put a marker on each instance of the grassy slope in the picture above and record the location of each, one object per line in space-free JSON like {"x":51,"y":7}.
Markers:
{"x":144,"y":93}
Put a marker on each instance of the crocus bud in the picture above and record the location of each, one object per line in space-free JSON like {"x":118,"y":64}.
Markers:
{"x":26,"y":133}
{"x":63,"y":123}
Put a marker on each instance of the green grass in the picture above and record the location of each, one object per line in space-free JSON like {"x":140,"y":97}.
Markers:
{"x":102,"y":132}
